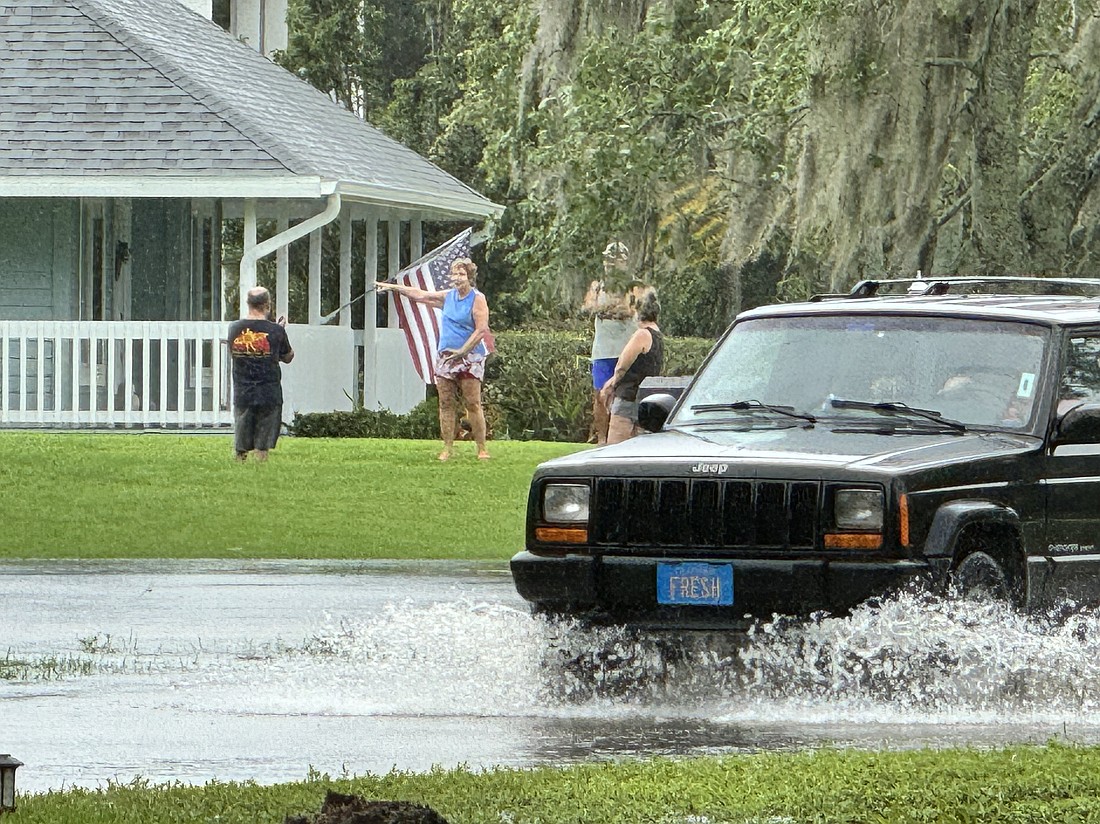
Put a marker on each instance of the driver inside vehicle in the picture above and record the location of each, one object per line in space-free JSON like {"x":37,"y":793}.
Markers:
{"x":986,"y":397}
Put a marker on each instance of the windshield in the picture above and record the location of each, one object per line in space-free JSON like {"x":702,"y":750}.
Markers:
{"x":976,"y":372}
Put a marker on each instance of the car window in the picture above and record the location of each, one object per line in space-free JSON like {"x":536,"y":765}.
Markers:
{"x":975,"y":371}
{"x":1080,"y":380}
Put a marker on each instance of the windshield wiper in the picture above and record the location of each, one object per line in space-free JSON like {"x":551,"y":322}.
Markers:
{"x":897,"y":408}
{"x":753,"y":406}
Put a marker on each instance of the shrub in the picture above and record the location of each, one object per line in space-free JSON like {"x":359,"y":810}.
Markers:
{"x":422,"y":422}
{"x":538,"y":386}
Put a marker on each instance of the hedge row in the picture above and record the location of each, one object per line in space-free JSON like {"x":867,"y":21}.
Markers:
{"x":537,"y":387}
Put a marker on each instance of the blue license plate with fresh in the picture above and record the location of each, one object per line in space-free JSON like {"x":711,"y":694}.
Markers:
{"x":695,"y":584}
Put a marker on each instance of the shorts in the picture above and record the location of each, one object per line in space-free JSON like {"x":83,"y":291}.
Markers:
{"x":256,"y":427}
{"x":602,"y":370}
{"x":625,"y":409}
{"x":471,"y":366}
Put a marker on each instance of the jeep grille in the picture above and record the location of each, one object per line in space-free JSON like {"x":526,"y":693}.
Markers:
{"x":705,"y":513}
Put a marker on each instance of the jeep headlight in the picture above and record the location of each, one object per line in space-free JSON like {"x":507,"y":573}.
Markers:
{"x":565,"y":503}
{"x":857,"y":509}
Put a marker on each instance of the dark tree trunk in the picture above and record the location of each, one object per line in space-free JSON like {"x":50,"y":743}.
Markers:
{"x":1003,"y":33}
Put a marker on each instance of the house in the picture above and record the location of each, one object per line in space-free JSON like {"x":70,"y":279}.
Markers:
{"x":130,"y":131}
{"x":259,"y":23}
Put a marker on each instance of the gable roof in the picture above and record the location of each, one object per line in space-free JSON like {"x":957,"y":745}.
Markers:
{"x":145,"y":97}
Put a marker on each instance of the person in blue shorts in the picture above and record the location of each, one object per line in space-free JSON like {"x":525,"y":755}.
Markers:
{"x":610,"y":302}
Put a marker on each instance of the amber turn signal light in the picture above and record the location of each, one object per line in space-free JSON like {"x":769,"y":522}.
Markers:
{"x":561,"y":535}
{"x":853,"y":540}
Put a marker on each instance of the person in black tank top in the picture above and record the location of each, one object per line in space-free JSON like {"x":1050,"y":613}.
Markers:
{"x":642,"y":357}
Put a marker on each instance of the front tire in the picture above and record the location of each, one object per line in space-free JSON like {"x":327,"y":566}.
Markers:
{"x":980,"y":576}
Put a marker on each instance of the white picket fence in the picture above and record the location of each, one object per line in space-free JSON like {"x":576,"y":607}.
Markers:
{"x":172,"y":374}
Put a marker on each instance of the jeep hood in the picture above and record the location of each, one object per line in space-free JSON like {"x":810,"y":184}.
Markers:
{"x":813,"y":447}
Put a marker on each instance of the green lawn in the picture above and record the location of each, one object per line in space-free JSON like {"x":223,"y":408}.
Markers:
{"x":1055,"y":784}
{"x":182,"y":496}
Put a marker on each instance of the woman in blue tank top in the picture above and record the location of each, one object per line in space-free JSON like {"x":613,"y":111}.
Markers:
{"x":460,"y":363}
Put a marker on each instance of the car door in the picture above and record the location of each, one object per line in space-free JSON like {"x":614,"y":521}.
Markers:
{"x":1069,"y":566}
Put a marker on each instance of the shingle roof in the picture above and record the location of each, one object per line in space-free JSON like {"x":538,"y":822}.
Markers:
{"x":148,"y":88}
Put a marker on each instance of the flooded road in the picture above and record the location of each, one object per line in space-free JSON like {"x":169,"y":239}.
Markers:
{"x":192,"y":671}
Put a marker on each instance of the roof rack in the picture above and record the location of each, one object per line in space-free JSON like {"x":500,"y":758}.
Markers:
{"x":923,"y":287}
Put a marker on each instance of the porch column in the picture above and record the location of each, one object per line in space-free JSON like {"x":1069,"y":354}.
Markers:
{"x":370,"y":310}
{"x":393,"y":248}
{"x":121,"y":297}
{"x":345,"y":267}
{"x":282,"y":270}
{"x":416,"y":239}
{"x":248,"y":268}
{"x":217,"y":269}
{"x":315,"y":277}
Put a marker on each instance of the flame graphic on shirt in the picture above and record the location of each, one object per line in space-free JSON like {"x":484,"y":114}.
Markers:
{"x":251,"y":344}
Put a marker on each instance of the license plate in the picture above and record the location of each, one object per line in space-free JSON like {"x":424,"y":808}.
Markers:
{"x":695,"y":584}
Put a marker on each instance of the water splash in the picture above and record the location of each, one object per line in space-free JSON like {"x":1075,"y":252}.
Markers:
{"x":911,"y":658}
{"x":916,"y":654}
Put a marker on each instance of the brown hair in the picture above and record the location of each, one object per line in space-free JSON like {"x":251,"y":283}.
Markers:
{"x":469,"y":266}
{"x":648,"y":307}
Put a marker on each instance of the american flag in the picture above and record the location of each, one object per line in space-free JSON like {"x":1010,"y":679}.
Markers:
{"x":419,"y":321}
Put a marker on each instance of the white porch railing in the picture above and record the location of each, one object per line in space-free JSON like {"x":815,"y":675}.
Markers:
{"x":114,"y":373}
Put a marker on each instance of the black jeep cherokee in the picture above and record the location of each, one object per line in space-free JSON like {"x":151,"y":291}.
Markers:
{"x":831,"y":450}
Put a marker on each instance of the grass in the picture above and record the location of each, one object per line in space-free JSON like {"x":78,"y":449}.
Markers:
{"x":1056,"y":783}
{"x":44,"y":667}
{"x":182,"y":496}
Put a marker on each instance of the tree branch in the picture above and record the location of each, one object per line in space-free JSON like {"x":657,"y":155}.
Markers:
{"x":953,"y":209}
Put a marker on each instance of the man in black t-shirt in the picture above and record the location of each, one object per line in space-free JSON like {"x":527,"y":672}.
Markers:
{"x":257,"y":346}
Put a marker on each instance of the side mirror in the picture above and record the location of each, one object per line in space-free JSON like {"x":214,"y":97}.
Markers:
{"x":1080,"y":424}
{"x":653,"y":410}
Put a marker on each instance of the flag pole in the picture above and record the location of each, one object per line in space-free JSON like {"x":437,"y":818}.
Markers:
{"x":325,"y":319}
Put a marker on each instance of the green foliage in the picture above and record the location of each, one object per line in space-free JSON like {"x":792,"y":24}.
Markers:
{"x":633,"y":142}
{"x":542,"y":381}
{"x":1056,"y":783}
{"x":421,"y":423}
{"x":664,"y":124}
{"x":332,"y":45}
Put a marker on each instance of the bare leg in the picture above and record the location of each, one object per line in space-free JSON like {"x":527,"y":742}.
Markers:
{"x":261,"y":455}
{"x":471,"y":395}
{"x":620,"y":429}
{"x":600,"y":418}
{"x":447,"y":393}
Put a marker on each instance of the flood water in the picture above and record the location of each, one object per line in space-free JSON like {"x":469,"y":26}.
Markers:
{"x":264,"y":671}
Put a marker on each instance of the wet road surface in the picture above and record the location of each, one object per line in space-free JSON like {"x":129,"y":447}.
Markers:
{"x":193,"y":671}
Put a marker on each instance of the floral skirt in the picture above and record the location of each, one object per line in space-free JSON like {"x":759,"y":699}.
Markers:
{"x":471,"y":366}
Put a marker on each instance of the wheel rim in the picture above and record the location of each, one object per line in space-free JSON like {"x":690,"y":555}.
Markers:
{"x":979,"y":576}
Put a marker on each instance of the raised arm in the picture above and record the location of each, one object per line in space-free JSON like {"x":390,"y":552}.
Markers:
{"x":412,"y":293}
{"x":288,"y":355}
{"x":591,"y":303}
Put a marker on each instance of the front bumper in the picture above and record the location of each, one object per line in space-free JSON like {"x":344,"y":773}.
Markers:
{"x":620,"y":589}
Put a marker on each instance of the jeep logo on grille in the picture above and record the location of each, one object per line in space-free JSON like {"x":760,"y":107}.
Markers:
{"x":710,"y":468}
